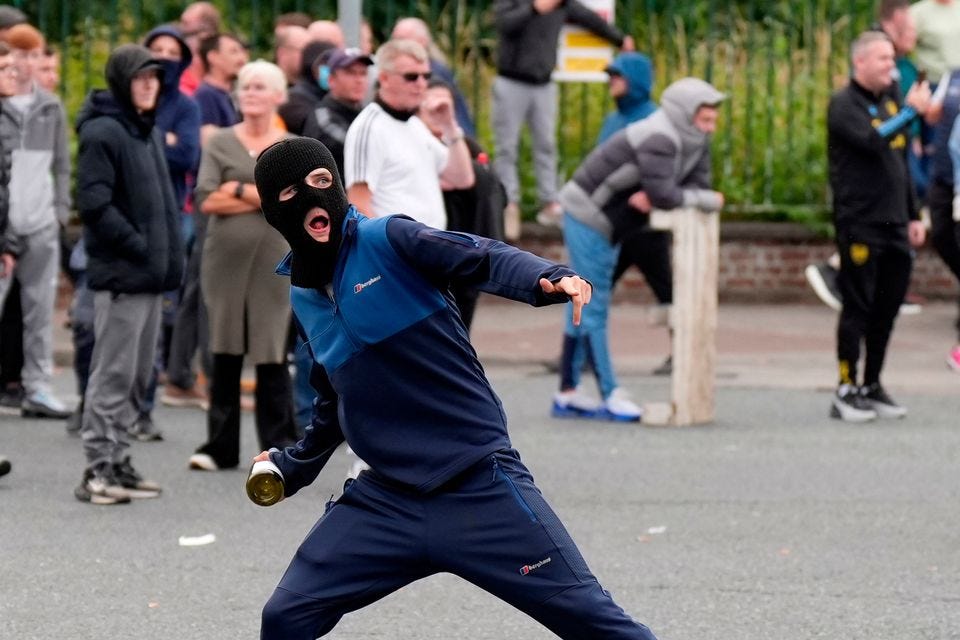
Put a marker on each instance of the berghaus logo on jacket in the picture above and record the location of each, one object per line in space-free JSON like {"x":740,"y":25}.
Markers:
{"x":360,"y":286}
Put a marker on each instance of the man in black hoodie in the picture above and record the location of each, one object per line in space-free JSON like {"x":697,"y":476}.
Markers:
{"x":334,"y":114}
{"x":305,"y":95}
{"x":132,"y":235}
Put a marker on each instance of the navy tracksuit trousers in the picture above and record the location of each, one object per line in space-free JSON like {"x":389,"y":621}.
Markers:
{"x":490,"y":526}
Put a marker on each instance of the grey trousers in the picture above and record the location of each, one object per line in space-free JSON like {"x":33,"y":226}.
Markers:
{"x":126,"y":327}
{"x":37,"y":269}
{"x":516,"y":103}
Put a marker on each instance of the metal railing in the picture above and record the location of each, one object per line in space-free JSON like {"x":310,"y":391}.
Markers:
{"x":778,"y":60}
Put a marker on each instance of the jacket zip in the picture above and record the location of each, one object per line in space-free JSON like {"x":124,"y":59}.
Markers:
{"x":331,"y":294}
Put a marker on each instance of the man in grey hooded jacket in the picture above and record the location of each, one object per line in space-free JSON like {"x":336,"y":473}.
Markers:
{"x":660,"y":162}
{"x":39,"y":204}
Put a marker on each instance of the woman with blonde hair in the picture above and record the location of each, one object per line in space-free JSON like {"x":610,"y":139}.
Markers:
{"x":248,"y":305}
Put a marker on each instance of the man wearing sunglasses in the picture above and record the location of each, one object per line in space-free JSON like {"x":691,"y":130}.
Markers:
{"x":392,"y":163}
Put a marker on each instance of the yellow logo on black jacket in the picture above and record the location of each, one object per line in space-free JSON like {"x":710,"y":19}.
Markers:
{"x":899,"y":141}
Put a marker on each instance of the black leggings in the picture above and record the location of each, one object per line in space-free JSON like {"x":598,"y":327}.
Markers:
{"x":649,"y":250}
{"x":274,"y":410}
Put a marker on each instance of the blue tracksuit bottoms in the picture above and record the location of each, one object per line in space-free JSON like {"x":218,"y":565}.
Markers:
{"x":490,"y":525}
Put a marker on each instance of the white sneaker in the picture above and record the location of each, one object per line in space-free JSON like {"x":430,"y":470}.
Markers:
{"x":911,"y":309}
{"x":574,"y":404}
{"x":511,"y":222}
{"x":203,"y":462}
{"x":41,"y":404}
{"x":823,"y":279}
{"x":621,"y":408}
{"x":551,"y":215}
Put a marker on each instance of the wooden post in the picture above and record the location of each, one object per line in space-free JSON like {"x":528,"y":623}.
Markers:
{"x":696,"y":246}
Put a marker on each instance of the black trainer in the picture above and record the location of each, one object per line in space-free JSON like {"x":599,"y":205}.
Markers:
{"x":4,"y":466}
{"x":850,"y":406}
{"x":823,"y":279}
{"x":145,"y":430}
{"x":876,"y":397}
{"x":100,"y":487}
{"x":665,"y":368}
{"x":134,"y":484}
{"x":11,"y":397}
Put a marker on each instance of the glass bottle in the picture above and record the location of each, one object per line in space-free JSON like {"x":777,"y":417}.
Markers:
{"x":265,"y":483}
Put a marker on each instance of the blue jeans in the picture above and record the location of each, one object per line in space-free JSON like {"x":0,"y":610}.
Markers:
{"x":594,"y":258}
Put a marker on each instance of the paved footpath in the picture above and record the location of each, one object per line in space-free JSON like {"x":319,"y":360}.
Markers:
{"x":773,"y":523}
{"x":758,"y":346}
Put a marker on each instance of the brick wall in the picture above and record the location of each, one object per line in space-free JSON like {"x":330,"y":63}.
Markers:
{"x":761,"y":262}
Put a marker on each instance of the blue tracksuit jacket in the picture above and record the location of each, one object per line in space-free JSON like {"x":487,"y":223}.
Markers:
{"x":395,"y":373}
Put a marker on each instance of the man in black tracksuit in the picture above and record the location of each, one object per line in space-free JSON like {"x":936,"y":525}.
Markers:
{"x":876,"y":217}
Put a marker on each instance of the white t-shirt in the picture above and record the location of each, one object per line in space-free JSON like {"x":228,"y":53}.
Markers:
{"x":401,"y":162}
{"x":938,"y":36}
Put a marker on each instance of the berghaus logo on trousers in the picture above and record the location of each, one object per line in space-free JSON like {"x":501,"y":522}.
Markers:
{"x":527,"y":568}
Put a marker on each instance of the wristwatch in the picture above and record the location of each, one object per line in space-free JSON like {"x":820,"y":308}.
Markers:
{"x":455,"y":138}
{"x":238,"y":192}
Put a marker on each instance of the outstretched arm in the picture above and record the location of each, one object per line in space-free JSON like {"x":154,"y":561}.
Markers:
{"x":489,"y":265}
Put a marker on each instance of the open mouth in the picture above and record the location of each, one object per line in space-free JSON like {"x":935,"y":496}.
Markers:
{"x":319,"y":221}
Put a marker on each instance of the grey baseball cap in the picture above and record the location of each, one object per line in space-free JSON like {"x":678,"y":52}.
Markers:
{"x":11,"y":16}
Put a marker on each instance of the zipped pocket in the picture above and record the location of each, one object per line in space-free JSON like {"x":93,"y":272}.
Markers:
{"x":498,"y":471}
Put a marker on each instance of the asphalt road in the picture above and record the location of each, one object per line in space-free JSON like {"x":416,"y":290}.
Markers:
{"x":773,"y":523}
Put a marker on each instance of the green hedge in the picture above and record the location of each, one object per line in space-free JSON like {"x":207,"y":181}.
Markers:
{"x":778,"y":60}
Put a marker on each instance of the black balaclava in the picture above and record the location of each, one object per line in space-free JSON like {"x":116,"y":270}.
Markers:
{"x":281,"y":165}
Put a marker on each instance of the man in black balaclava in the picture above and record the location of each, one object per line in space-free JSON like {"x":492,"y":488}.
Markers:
{"x":302,"y":196}
{"x":397,"y":378}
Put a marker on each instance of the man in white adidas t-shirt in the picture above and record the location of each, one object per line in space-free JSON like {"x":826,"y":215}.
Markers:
{"x":392,"y":163}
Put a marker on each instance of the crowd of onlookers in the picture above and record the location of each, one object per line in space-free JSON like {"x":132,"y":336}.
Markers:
{"x":174,"y":290}
{"x":174,"y":285}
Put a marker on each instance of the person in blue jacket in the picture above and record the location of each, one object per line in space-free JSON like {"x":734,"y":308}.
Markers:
{"x":446,"y":492}
{"x":631,"y":83}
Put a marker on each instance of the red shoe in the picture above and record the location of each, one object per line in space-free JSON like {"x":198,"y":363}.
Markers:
{"x":953,"y":358}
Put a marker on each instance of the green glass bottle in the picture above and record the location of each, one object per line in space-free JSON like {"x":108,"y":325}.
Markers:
{"x":265,"y":483}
